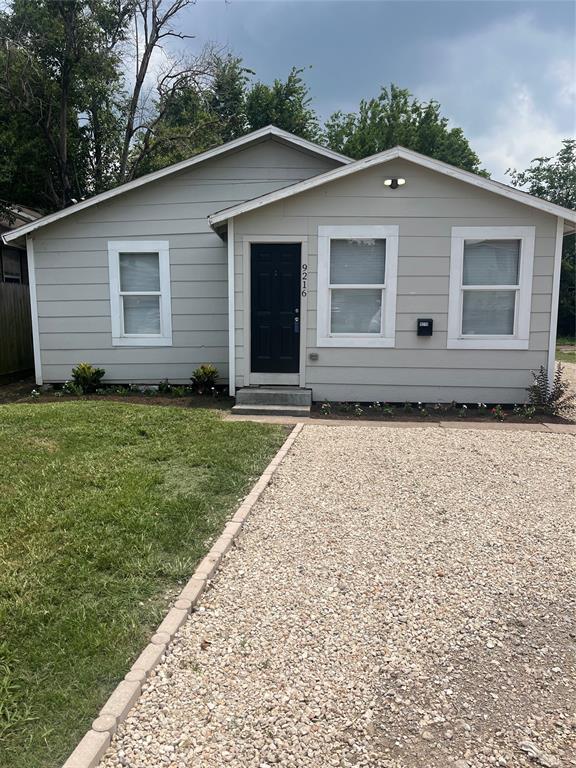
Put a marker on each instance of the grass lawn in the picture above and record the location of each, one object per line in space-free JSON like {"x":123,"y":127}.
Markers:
{"x":104,"y":510}
{"x":566,"y":349}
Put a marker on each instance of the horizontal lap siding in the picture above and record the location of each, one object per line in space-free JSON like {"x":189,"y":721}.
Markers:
{"x":72,"y":266}
{"x":425,"y":209}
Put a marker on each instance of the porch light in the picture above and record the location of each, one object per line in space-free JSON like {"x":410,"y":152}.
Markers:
{"x":394,"y":183}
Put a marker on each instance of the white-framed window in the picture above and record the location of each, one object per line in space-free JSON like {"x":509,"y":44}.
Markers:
{"x":357,"y":278}
{"x":140,"y":293}
{"x":490,"y":287}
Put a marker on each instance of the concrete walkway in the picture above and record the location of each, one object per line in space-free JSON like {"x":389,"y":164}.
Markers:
{"x":401,"y":598}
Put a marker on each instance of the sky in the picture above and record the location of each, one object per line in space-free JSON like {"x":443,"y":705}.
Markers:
{"x":503,"y":70}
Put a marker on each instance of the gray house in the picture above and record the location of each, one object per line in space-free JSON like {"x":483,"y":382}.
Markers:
{"x":392,"y":278}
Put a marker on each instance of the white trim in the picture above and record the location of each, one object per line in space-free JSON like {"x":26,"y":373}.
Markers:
{"x":520,"y":339}
{"x":34,"y":309}
{"x":231,"y":312}
{"x":324,"y":338}
{"x":555,"y":299}
{"x":383,"y":157}
{"x":252,"y":379}
{"x":119,"y":338}
{"x":262,"y":133}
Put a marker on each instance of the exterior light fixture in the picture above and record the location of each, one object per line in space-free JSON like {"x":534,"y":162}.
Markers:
{"x":394,"y":183}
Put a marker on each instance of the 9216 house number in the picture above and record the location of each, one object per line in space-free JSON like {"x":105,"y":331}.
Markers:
{"x":304,"y":279}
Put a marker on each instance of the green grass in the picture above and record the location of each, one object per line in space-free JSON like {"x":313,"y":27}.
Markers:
{"x":104,"y":510}
{"x":565,"y":355}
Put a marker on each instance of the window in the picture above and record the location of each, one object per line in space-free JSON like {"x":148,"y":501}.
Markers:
{"x":140,"y":293}
{"x":357,"y":269}
{"x":13,"y":265}
{"x":490,"y":287}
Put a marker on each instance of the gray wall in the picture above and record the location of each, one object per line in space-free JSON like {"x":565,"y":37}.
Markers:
{"x":72,"y":265}
{"x":425,"y":209}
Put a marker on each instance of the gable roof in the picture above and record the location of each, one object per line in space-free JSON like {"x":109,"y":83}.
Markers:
{"x":270,"y":131}
{"x":383,"y":157}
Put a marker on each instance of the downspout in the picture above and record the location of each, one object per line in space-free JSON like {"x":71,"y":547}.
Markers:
{"x":231,"y":312}
{"x":34,"y":308}
{"x":555,"y":299}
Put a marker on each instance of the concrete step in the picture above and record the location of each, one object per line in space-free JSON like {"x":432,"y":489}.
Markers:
{"x":272,"y":410}
{"x":294,"y":396}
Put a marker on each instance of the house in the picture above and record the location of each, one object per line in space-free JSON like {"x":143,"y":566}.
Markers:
{"x":16,"y":353}
{"x":396,"y":277}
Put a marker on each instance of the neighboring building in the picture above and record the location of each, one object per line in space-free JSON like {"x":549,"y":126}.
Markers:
{"x":392,"y":278}
{"x":16,"y":352}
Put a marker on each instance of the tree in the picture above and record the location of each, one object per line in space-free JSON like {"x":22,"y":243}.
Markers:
{"x":228,"y":96}
{"x":283,"y":104}
{"x":44,"y":64}
{"x":396,"y":117}
{"x":554,"y":179}
{"x":63,"y":88}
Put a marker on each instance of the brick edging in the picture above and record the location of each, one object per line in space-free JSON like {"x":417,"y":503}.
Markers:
{"x":97,"y":740}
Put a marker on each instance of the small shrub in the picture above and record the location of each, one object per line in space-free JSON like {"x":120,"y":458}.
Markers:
{"x":498,"y":413}
{"x":180,"y":391}
{"x":164,"y":387}
{"x":523,"y":411}
{"x":408,"y":408}
{"x":554,"y":399}
{"x":87,"y":377}
{"x":422,"y":410}
{"x":358,"y":410}
{"x":71,"y":388}
{"x":463,"y":411}
{"x":326,"y":409}
{"x":35,"y":393}
{"x":204,"y":378}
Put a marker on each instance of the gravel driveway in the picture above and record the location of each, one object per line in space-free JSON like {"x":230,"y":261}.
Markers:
{"x":401,"y":598}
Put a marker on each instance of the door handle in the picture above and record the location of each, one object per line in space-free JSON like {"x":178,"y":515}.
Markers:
{"x":296,"y":324}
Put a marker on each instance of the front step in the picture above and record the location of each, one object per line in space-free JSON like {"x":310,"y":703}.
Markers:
{"x":271,"y":410}
{"x":275,"y":401}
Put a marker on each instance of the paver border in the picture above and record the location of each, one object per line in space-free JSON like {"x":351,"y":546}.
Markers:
{"x":521,"y":426}
{"x":96,"y":741}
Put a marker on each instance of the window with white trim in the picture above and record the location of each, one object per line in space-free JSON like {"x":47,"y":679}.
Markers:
{"x":490,"y":287}
{"x":357,"y":277}
{"x":140,"y":293}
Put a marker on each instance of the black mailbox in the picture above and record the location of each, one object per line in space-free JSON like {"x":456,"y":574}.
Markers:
{"x":424,"y":327}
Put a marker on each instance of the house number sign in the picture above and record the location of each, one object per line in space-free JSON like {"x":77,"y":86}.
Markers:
{"x":304,"y":279}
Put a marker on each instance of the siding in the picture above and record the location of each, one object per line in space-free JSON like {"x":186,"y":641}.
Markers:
{"x":425,"y":209}
{"x":72,"y":265}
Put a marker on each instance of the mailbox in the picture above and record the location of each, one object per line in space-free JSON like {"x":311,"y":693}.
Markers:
{"x":424,"y":327}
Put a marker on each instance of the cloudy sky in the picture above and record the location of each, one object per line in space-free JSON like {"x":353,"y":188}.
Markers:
{"x":503,"y":70}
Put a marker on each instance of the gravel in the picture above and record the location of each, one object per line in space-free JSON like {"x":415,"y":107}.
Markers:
{"x":402,"y":598}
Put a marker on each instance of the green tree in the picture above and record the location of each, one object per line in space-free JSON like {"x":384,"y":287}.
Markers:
{"x":283,"y":104}
{"x":184,"y":126}
{"x":56,"y":62}
{"x":554,"y":179}
{"x":396,"y":117}
{"x":227,"y":99}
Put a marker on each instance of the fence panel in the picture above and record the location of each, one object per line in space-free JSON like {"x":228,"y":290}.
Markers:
{"x":16,"y":352}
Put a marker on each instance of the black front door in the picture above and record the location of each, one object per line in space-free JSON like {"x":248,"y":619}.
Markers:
{"x":275,"y":306}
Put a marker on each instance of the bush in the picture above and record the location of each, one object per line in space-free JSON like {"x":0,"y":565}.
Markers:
{"x":553,"y":399}
{"x":164,"y":387}
{"x":87,"y":378}
{"x":204,"y":378}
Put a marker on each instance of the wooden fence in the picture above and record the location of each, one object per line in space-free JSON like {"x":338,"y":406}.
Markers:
{"x":16,"y":352}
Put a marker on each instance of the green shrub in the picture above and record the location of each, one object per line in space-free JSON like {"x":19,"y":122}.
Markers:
{"x":554,"y":399}
{"x":204,"y":378}
{"x":87,"y":377}
{"x":164,"y":387}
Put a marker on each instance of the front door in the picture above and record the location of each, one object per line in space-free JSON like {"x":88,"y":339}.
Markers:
{"x":275,"y":308}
